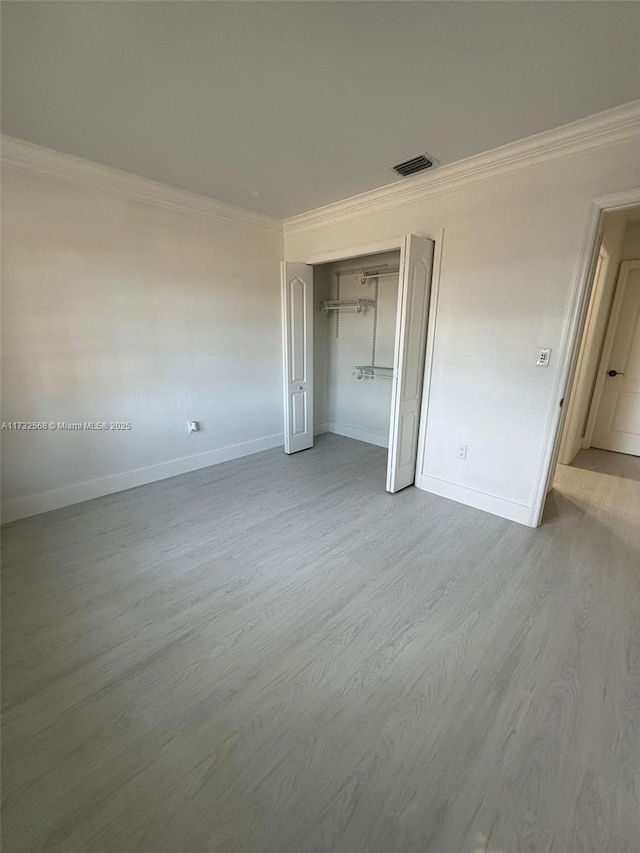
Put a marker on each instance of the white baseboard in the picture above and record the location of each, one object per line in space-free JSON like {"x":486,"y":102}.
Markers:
{"x":381,"y":439}
{"x":479,"y":500}
{"x":78,"y":492}
{"x":321,"y":427}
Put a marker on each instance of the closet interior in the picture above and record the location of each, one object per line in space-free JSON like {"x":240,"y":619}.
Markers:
{"x":354,"y":333}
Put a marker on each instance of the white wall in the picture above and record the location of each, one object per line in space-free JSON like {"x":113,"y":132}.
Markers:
{"x":512,"y":241}
{"x":347,"y":406}
{"x":118,"y":310}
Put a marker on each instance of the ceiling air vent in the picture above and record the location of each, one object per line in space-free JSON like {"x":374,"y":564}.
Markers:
{"x":415,"y":164}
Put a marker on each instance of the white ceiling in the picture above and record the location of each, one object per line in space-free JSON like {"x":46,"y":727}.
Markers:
{"x":304,"y":103}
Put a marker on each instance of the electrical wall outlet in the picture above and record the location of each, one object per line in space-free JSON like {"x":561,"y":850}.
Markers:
{"x":462,"y":451}
{"x":543,"y":357}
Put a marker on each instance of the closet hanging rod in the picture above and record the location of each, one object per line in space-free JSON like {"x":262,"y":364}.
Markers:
{"x":373,"y":275}
{"x":370,"y":272}
{"x":370,"y":371}
{"x":337,"y":304}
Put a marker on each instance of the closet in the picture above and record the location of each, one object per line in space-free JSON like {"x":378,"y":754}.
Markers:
{"x":354,"y":337}
{"x":354,"y":333}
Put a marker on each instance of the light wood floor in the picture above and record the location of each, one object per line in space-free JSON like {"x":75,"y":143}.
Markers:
{"x":275,"y":656}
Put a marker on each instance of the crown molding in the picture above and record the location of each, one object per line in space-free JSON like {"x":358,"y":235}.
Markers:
{"x":593,"y":132}
{"x":18,"y":154}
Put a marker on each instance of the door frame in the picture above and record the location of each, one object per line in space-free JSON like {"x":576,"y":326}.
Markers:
{"x":390,"y":245}
{"x":580,"y":381}
{"x":570,"y":341}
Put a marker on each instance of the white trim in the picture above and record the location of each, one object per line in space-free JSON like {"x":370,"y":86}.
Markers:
{"x":390,"y":245}
{"x":593,"y":132}
{"x":381,"y":439}
{"x":401,"y":328}
{"x":502,"y":507}
{"x":570,"y":342}
{"x":428,"y":358}
{"x":18,"y":154}
{"x":319,"y":428}
{"x":566,"y":454}
{"x":79,"y":492}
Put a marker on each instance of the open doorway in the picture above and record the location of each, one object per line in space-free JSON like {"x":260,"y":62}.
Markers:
{"x":602,"y":428}
{"x":354,"y":341}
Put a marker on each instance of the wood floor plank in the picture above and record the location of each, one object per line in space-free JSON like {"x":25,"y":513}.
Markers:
{"x":273,"y":655}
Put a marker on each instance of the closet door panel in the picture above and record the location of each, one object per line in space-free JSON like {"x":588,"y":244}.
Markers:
{"x":297,"y":354}
{"x":408,"y":365}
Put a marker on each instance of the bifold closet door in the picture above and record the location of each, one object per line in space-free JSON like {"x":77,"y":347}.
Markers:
{"x":297,"y":353}
{"x":414,"y":289}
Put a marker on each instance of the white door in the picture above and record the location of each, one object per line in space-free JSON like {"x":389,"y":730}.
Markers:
{"x":297,"y":349}
{"x":617,"y":424}
{"x":408,"y":362}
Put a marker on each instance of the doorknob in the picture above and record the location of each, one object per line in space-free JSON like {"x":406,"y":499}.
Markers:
{"x":615,"y":373}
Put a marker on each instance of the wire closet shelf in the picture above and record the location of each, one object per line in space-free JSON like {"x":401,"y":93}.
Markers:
{"x":372,"y":371}
{"x":339,"y":304}
{"x":366,"y":275}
